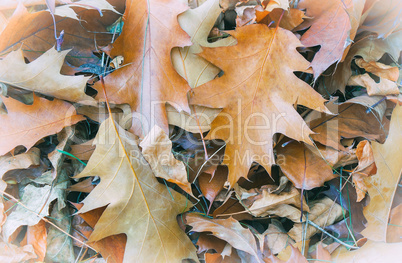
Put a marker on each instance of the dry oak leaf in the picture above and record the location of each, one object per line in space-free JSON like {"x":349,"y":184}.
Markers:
{"x":355,"y":118}
{"x":379,"y":69}
{"x":323,"y":212}
{"x":228,"y":229}
{"x":34,"y":33}
{"x":157,"y":150}
{"x":295,"y":257}
{"x":111,"y":247}
{"x":197,"y":23}
{"x":382,"y":17}
{"x":268,"y":6}
{"x":149,"y":81}
{"x":258,"y":88}
{"x":27,"y":124}
{"x":308,"y":166}
{"x":370,"y":48}
{"x":43,"y":75}
{"x":14,"y":254}
{"x":262,"y":202}
{"x":382,"y":186}
{"x":198,"y":121}
{"x":383,"y":88}
{"x":329,"y":28}
{"x":355,"y":11}
{"x":371,"y":251}
{"x":66,"y":10}
{"x":366,"y":167}
{"x":137,"y":204}
{"x":36,"y":236}
{"x":9,"y":162}
{"x":394,"y":231}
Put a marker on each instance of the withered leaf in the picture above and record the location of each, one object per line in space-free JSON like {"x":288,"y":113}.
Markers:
{"x":137,"y":204}
{"x":258,"y":89}
{"x":26,"y":124}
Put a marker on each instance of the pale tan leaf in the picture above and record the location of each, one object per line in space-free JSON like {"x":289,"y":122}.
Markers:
{"x":323,"y":212}
{"x":137,"y":204}
{"x":199,"y":121}
{"x":262,"y":202}
{"x":382,"y":186}
{"x":383,"y":88}
{"x":36,"y":199}
{"x":67,"y":11}
{"x":43,"y":75}
{"x":13,"y":254}
{"x":228,"y":229}
{"x":157,"y":150}
{"x":379,"y":69}
{"x":21,"y":161}
{"x":370,"y":252}
{"x":196,"y":70}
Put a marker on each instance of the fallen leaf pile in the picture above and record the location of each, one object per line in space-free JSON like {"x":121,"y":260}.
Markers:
{"x":200,"y":131}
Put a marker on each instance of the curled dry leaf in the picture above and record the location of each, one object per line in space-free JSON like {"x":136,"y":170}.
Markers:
{"x":228,"y":229}
{"x":308,"y":166}
{"x":253,"y":92}
{"x":36,"y":199}
{"x":14,"y":254}
{"x":323,"y":212}
{"x":329,"y":28}
{"x":137,"y":204}
{"x":379,"y":69}
{"x":275,"y":237}
{"x":20,"y":161}
{"x":26,"y":124}
{"x":369,"y":48}
{"x":197,"y":23}
{"x":149,"y":80}
{"x":382,"y":186}
{"x":383,"y":88}
{"x":262,"y":202}
{"x":353,"y":120}
{"x":157,"y":150}
{"x":366,"y":167}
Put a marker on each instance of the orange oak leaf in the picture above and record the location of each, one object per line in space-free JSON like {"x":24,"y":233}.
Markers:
{"x":149,"y":80}
{"x":329,"y":28}
{"x":257,"y":93}
{"x":27,"y":124}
